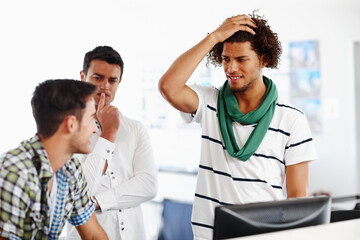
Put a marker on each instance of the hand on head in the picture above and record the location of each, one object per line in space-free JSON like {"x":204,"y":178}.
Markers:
{"x":234,"y":24}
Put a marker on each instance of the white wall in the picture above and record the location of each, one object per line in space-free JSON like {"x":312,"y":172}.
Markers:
{"x":42,"y":39}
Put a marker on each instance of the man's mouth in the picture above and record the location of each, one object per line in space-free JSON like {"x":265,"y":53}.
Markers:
{"x":234,"y":78}
{"x":99,"y":94}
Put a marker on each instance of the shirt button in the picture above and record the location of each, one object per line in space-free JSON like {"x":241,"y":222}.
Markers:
{"x":122,"y":229}
{"x":120,"y":210}
{"x":122,"y":223}
{"x":112,"y":172}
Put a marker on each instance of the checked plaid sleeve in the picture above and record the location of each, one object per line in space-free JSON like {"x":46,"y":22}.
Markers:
{"x":14,"y":200}
{"x":20,"y":197}
{"x":83,"y":204}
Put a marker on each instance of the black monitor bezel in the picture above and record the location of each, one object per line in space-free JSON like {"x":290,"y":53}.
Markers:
{"x":322,"y":205}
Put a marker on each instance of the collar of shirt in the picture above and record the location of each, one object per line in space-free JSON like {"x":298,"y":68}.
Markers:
{"x":39,"y":157}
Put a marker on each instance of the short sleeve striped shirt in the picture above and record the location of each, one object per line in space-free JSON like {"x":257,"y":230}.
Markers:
{"x":224,"y":180}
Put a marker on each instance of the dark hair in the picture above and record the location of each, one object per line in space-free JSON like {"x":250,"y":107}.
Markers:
{"x":265,"y":43}
{"x":54,"y":100}
{"x":104,"y":53}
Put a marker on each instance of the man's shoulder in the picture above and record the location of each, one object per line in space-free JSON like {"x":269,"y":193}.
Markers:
{"x":207,"y":94}
{"x":72,"y":168}
{"x":18,"y":172}
{"x":72,"y":175}
{"x":288,"y":114}
{"x":285,"y":106}
{"x":204,"y":88}
{"x":130,"y":123}
{"x":18,"y":159}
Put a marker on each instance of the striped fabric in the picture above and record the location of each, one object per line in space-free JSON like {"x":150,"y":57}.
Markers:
{"x":224,"y":180}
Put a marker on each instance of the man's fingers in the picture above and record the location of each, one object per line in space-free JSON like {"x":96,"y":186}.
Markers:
{"x":102,"y":101}
{"x":247,"y":29}
{"x":245,"y":22}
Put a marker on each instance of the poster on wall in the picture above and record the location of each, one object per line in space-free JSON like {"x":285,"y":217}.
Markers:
{"x":305,"y":80}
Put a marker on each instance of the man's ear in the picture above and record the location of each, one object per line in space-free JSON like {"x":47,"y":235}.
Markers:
{"x":82,"y":75}
{"x":71,"y":124}
{"x":263,"y":61}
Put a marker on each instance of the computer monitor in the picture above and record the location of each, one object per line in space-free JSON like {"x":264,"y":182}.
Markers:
{"x":254,"y":218}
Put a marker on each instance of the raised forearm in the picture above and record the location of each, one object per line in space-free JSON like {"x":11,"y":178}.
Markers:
{"x":180,"y":71}
{"x":172,"y":84}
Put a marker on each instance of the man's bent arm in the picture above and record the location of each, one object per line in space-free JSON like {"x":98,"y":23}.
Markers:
{"x":172,"y":84}
{"x":91,"y":229}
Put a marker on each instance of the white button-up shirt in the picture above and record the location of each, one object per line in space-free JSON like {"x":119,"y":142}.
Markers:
{"x":130,"y":179}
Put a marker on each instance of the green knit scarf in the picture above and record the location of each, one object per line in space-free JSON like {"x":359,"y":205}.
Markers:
{"x":228,"y":111}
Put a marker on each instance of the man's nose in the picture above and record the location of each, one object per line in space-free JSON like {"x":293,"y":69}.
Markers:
{"x":232,"y":67}
{"x":105,"y":84}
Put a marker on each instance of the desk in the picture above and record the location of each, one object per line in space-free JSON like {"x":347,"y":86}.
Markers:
{"x":344,"y":230}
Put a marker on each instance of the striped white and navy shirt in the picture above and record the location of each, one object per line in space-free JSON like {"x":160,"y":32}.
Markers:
{"x":224,"y":180}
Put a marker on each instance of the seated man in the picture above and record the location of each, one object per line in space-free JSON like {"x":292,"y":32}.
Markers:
{"x":41,"y":186}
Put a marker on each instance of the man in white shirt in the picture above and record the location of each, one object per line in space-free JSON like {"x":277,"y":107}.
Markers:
{"x":120,"y":170}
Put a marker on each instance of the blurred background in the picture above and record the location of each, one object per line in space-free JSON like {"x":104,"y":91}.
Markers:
{"x":319,"y":73}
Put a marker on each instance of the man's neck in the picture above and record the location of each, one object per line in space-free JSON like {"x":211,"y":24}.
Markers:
{"x":57,"y":151}
{"x":250,"y":99}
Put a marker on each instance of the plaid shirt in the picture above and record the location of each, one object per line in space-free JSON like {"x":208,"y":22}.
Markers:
{"x":25,"y":173}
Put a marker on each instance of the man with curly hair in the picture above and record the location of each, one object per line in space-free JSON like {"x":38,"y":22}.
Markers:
{"x":255,"y":146}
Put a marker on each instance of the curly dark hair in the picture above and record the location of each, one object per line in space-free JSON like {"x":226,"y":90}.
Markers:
{"x":265,"y":43}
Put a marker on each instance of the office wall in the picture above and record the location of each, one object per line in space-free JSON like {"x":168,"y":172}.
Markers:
{"x":43,"y":39}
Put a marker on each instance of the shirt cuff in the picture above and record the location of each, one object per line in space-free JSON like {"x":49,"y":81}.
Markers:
{"x":104,"y":148}
{"x":103,"y":199}
{"x":82,"y":218}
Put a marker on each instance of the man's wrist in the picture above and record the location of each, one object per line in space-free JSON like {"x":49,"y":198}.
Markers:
{"x":109,"y":136}
{"x":97,"y":206}
{"x":213,"y":38}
